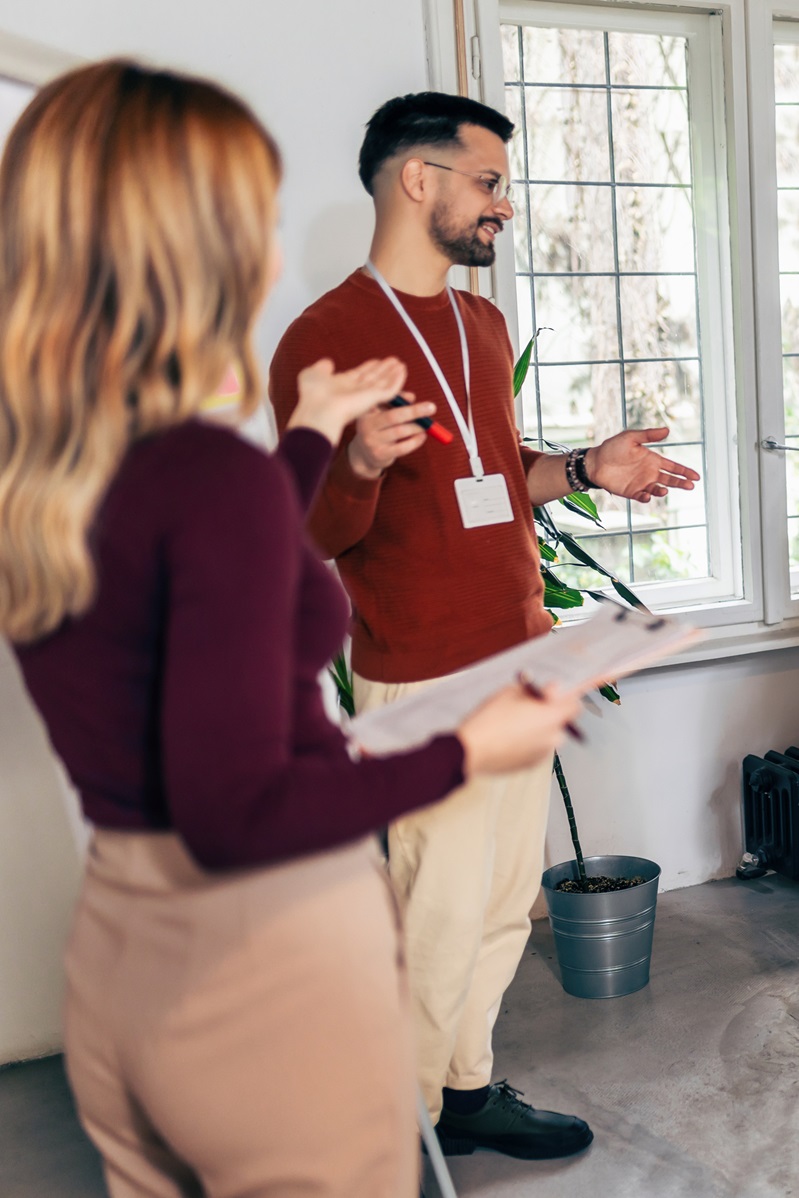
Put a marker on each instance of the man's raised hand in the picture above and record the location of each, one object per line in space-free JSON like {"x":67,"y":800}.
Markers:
{"x":625,"y":466}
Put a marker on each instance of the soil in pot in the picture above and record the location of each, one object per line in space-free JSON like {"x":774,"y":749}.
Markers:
{"x":598,"y":884}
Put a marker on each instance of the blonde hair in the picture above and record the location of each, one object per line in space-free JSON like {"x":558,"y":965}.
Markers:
{"x":136,"y":218}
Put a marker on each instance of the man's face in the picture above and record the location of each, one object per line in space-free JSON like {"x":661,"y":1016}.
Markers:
{"x":465,"y":218}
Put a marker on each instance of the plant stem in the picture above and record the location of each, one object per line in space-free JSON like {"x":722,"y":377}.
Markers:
{"x":564,"y":790}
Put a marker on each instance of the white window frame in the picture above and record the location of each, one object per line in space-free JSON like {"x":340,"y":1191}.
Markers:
{"x":30,"y":62}
{"x":768,"y":24}
{"x":749,"y":624}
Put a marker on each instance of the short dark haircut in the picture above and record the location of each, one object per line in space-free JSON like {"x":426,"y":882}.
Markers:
{"x":423,"y":119}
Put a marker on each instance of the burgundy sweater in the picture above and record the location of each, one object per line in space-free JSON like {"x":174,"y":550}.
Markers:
{"x":187,"y":696}
{"x":429,"y":595}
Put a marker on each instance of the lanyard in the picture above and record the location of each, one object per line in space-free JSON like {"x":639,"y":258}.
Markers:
{"x":466,"y":427}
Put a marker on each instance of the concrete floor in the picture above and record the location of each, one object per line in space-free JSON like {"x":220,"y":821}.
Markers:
{"x":691,"y":1085}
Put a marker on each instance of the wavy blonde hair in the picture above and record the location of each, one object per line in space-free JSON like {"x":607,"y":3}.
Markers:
{"x":137,"y":210}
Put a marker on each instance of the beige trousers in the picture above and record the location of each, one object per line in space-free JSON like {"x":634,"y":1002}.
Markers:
{"x":244,"y":1035}
{"x":466,"y":872}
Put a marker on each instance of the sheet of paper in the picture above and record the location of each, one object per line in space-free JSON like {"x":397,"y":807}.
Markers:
{"x":614,"y":642}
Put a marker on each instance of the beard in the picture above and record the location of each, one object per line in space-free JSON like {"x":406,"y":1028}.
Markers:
{"x":463,"y":247}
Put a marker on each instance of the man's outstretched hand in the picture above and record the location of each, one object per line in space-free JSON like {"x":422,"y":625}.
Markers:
{"x":625,"y":466}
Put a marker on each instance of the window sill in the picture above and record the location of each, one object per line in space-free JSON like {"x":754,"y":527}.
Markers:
{"x":716,"y":644}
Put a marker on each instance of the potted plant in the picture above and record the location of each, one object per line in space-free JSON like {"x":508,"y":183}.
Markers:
{"x":602,"y":912}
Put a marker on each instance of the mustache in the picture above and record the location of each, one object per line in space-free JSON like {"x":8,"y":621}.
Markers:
{"x":491,"y":220}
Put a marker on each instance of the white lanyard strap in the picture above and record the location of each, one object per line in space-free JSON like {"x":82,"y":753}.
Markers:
{"x":466,"y":427}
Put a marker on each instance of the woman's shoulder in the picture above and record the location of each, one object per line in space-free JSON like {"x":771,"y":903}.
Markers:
{"x":198,"y":463}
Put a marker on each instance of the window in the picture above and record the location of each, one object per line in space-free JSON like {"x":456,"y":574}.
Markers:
{"x":657,"y":235}
{"x":786,"y":127}
{"x":613,"y":238}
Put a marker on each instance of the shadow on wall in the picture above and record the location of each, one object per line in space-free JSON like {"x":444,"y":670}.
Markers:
{"x":42,"y":843}
{"x":336,"y":244}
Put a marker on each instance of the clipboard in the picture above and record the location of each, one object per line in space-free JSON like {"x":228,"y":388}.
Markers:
{"x":614,"y":642}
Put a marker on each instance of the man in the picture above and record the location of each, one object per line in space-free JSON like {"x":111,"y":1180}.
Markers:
{"x":436,"y":546}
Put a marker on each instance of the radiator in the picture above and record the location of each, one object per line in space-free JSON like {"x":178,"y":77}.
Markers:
{"x":771,"y":814}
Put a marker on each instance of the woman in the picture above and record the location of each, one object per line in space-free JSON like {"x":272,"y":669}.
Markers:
{"x":236,"y":1018}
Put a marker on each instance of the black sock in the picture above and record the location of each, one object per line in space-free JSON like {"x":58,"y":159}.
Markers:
{"x":465,"y":1102}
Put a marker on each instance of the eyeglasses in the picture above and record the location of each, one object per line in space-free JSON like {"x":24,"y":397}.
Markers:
{"x":497,"y":186}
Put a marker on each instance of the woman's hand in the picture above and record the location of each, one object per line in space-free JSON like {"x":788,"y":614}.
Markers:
{"x":329,"y":402}
{"x":512,"y":730}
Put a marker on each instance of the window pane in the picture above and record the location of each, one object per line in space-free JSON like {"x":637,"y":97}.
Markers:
{"x":582,"y":314}
{"x":786,"y":82}
{"x":675,"y":553}
{"x":787,"y":127}
{"x":519,"y":230}
{"x":792,"y":477}
{"x":567,"y":134}
{"x":788,"y":215}
{"x":639,"y":58}
{"x":573,"y":396}
{"x":564,"y":220}
{"x":789,"y":297}
{"x":790,"y":393}
{"x":563,"y":56}
{"x":786,"y":70}
{"x":612,"y":552}
{"x":514,"y":103}
{"x":610,"y":265}
{"x":665,"y":392}
{"x":651,"y":142}
{"x":655,"y":228}
{"x":511,"y":53}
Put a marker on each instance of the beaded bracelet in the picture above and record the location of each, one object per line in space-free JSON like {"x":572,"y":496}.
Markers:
{"x":576,"y":474}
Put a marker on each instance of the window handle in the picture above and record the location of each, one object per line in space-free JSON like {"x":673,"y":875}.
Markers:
{"x":773,"y":445}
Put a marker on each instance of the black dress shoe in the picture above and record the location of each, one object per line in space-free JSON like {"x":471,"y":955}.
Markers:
{"x":506,"y":1124}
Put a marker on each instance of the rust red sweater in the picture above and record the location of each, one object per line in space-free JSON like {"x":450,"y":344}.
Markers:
{"x":429,"y":596}
{"x":187,"y":696}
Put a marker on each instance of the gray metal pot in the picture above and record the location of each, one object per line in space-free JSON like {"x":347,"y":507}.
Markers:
{"x":603,"y":941}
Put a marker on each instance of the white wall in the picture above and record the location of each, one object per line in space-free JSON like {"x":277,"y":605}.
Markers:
{"x":660,"y":775}
{"x":314,"y":71}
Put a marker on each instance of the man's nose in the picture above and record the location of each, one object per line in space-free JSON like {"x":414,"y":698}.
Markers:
{"x":504,"y":209}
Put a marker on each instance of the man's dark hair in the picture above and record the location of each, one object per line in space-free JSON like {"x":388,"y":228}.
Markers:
{"x":423,"y":119}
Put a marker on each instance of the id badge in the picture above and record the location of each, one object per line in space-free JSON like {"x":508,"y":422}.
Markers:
{"x":483,"y":500}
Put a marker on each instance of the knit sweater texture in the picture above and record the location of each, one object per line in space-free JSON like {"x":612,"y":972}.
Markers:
{"x":187,"y":697}
{"x":429,"y":596}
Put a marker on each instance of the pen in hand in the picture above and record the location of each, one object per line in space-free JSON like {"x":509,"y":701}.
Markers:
{"x":535,"y":692}
{"x":433,"y":427}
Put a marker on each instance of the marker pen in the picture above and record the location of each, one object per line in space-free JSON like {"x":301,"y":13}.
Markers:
{"x":435,"y":429}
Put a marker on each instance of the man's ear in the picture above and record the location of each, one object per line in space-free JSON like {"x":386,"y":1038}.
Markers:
{"x":413,"y":179}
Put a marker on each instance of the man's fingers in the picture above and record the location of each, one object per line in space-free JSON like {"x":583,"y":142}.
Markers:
{"x":642,"y":435}
{"x":670,"y":467}
{"x":409,"y":444}
{"x":676,"y":480}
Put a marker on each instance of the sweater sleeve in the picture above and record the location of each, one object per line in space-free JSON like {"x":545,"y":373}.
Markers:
{"x":307,"y":455}
{"x":345,"y":505}
{"x":241,"y":790}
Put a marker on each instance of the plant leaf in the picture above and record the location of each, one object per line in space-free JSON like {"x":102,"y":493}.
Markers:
{"x":341,"y":676}
{"x":554,"y":597}
{"x":582,"y":505}
{"x":542,"y":516}
{"x":523,"y":365}
{"x":576,"y":550}
{"x":557,"y":594}
{"x":547,"y":551}
{"x":627,"y":594}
